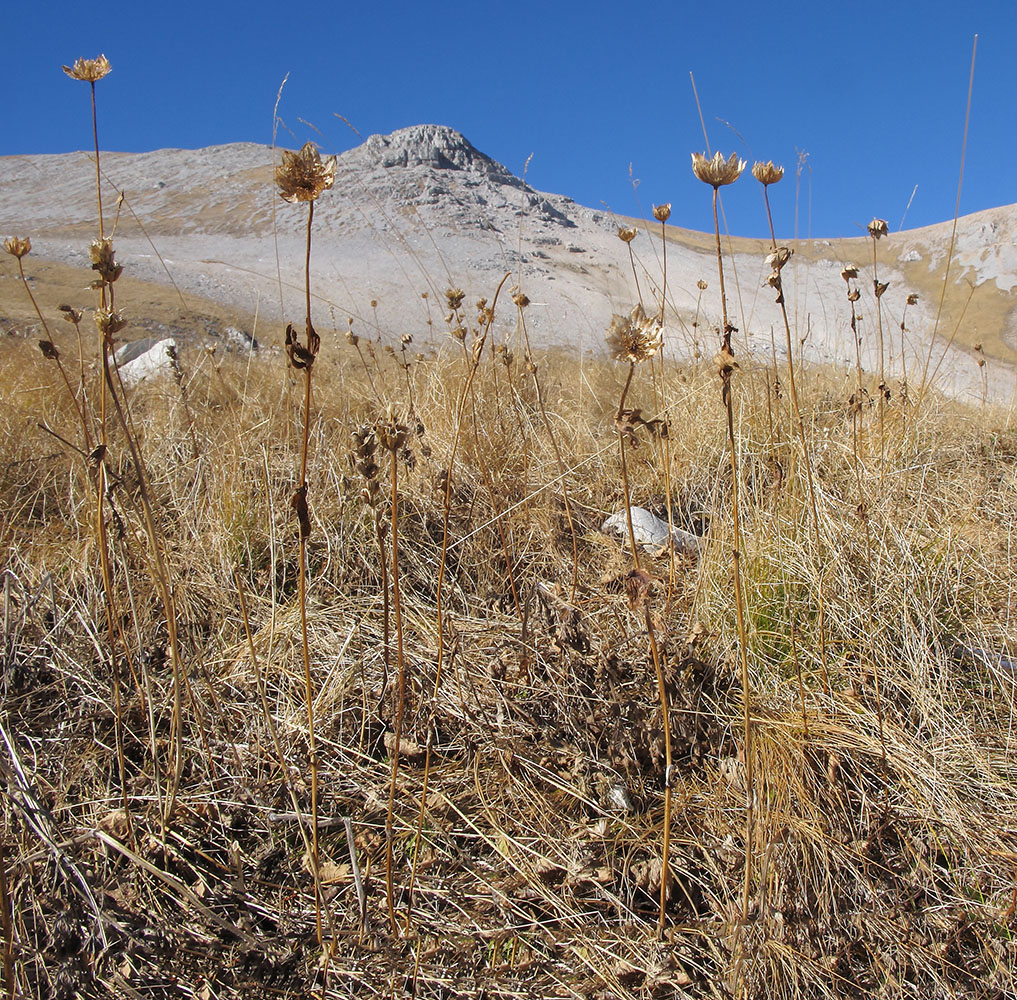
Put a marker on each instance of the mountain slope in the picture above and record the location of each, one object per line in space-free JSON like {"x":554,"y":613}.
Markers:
{"x":421,"y":209}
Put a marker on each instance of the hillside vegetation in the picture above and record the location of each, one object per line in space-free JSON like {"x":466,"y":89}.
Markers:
{"x":320,"y":677}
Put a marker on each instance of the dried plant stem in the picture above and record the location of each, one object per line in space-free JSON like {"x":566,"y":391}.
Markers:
{"x":739,"y":599}
{"x":400,"y":694}
{"x":658,"y":666}
{"x":562,"y":468}
{"x":439,"y":591}
{"x":882,"y":368}
{"x":305,"y":647}
{"x":806,"y":459}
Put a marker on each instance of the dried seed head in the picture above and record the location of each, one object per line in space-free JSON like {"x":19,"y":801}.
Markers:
{"x":767,"y":173}
{"x":913,"y":299}
{"x":879,"y":287}
{"x":627,"y":233}
{"x":103,"y":258}
{"x":405,"y":339}
{"x":351,"y":338}
{"x":303,"y":176}
{"x":717,"y":171}
{"x":391,"y":433}
{"x":878,"y":228}
{"x":374,"y":303}
{"x":521,"y":300}
{"x":18,"y":246}
{"x":778,"y":257}
{"x":849,"y":271}
{"x":49,"y":351}
{"x":89,"y":70}
{"x":109,"y":322}
{"x":454,"y":297}
{"x":702,"y":285}
{"x":662,"y":212}
{"x":71,"y":314}
{"x":854,"y":295}
{"x":634,"y":338}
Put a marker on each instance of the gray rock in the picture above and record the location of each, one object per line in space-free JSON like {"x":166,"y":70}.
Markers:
{"x":651,"y":532}
{"x":156,"y":362}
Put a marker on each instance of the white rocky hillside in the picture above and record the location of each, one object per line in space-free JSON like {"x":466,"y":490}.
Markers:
{"x":422,"y":209}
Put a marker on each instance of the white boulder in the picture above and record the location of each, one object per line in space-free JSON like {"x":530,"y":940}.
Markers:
{"x":651,"y":532}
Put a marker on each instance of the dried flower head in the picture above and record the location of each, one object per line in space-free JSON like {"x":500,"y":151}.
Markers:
{"x":109,"y":322}
{"x":391,"y":433}
{"x":303,"y":176}
{"x":878,"y":287}
{"x":702,"y":285}
{"x":103,"y":258}
{"x":634,"y":338}
{"x":49,"y":350}
{"x":767,"y":173}
{"x":18,"y":246}
{"x":878,"y":228}
{"x":849,"y":271}
{"x":454,"y":297}
{"x":717,"y":171}
{"x":777,"y":258}
{"x":627,"y":233}
{"x":71,"y":314}
{"x":854,"y":295}
{"x":521,"y":300}
{"x":913,"y":299}
{"x":89,"y":70}
{"x":662,"y":212}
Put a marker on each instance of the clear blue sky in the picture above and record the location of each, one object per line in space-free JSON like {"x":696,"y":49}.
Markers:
{"x":875,"y":93}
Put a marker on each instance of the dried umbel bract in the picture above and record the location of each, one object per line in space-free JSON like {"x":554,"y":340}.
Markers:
{"x":299,"y":355}
{"x":662,"y":212}
{"x":778,"y":257}
{"x":109,"y":322}
{"x":18,"y":246}
{"x":391,"y":433}
{"x":878,"y":228}
{"x":634,"y":338}
{"x":103,"y":258}
{"x":627,"y":233}
{"x":717,"y":171}
{"x":767,"y":173}
{"x":303,"y":176}
{"x":89,"y":70}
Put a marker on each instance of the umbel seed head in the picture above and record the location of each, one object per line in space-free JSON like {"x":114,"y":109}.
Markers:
{"x":633,"y":338}
{"x":662,"y":212}
{"x":767,"y":173}
{"x":18,"y":246}
{"x":717,"y":171}
{"x":89,"y":70}
{"x":303,"y":176}
{"x":878,"y":228}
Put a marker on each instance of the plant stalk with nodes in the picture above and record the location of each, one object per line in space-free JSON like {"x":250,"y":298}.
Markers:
{"x":301,"y":178}
{"x":718,"y":172}
{"x":636,"y":338}
{"x":767,"y":174}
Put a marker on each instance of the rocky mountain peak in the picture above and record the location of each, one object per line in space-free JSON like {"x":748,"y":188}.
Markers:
{"x":437,"y":147}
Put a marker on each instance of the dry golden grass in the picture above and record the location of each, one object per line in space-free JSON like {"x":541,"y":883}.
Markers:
{"x":883,"y":866}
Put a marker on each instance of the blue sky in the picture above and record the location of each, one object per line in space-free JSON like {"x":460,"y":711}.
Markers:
{"x":874,"y":93}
